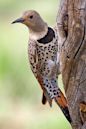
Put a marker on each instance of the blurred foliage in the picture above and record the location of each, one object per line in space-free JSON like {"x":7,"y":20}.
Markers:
{"x":17,"y":82}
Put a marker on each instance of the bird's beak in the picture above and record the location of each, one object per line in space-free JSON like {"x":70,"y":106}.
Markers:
{"x":19,"y":20}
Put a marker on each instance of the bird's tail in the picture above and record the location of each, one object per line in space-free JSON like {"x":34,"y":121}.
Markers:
{"x":62,"y":102}
{"x":44,"y":100}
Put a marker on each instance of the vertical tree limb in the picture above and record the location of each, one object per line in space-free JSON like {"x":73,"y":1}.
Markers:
{"x":71,"y":28}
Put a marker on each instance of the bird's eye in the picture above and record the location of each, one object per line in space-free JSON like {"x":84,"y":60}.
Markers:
{"x":31,"y":16}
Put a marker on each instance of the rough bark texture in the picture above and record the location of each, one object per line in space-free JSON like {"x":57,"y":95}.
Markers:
{"x":71,"y":25}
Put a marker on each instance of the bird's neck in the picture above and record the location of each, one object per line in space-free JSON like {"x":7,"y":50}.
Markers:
{"x":38,"y":32}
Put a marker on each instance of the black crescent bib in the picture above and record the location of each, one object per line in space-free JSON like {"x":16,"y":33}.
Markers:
{"x":48,"y":37}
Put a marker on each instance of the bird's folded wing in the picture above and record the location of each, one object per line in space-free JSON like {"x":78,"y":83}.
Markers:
{"x":33,"y":57}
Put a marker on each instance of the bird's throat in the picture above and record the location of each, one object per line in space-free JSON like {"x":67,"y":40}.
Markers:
{"x":39,"y":32}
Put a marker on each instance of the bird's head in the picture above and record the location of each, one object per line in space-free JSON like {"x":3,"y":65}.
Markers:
{"x":32,"y":20}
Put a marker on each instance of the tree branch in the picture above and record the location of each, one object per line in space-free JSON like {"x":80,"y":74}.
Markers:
{"x":72,"y":47}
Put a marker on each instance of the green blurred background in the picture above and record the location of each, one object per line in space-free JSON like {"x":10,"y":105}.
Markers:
{"x":20,"y":94}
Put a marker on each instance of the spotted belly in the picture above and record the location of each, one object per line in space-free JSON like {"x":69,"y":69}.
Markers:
{"x":45,"y":53}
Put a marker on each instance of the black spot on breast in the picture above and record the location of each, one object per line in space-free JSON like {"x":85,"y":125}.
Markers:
{"x":55,"y":80}
{"x":54,"y":90}
{"x":55,"y":94}
{"x":33,"y":67}
{"x":47,"y":85}
{"x":48,"y":37}
{"x":48,"y":71}
{"x":45,"y":47}
{"x":47,"y":80}
{"x":50,"y":87}
{"x":49,"y":45}
{"x":42,"y":53}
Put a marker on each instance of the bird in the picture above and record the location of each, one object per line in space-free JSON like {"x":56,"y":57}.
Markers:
{"x":43,"y":58}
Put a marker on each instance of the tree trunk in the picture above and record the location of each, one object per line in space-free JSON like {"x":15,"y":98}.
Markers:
{"x":71,"y":27}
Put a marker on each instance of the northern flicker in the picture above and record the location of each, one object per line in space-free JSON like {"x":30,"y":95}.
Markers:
{"x":42,"y":53}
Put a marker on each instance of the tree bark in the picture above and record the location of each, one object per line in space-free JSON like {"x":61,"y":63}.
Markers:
{"x":71,"y":28}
